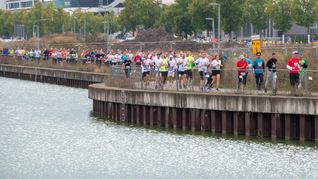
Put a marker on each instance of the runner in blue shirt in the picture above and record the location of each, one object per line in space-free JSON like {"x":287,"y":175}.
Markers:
{"x":259,"y":68}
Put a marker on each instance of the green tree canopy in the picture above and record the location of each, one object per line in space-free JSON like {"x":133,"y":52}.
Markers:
{"x":305,"y":12}
{"x":280,"y":12}
{"x":143,"y":13}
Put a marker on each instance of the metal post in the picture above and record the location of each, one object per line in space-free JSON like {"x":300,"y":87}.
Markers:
{"x":219,"y":27}
{"x":213,"y":31}
{"x":85,"y":25}
{"x":107,"y":46}
{"x":219,"y":23}
{"x":74,"y":27}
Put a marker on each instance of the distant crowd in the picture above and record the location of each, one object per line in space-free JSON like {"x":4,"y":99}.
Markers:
{"x":176,"y":67}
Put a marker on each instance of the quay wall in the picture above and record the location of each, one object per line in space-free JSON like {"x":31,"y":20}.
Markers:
{"x":55,"y":76}
{"x":262,"y":116}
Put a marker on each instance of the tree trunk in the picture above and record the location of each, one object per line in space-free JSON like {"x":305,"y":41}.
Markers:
{"x":308,"y":30}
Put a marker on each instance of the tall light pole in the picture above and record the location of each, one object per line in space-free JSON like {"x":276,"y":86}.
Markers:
{"x":213,"y":32}
{"x":106,"y":23}
{"x":85,"y":21}
{"x":219,"y":22}
{"x":37,"y":27}
{"x":74,"y":25}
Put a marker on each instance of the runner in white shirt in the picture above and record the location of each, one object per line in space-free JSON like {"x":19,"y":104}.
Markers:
{"x":182,"y":67}
{"x":216,"y":70}
{"x":145,"y":68}
{"x":172,"y":68}
{"x":157,"y":63}
{"x":37,"y":54}
{"x":202,"y":64}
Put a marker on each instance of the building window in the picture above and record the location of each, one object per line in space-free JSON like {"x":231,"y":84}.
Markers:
{"x":26,"y":4}
{"x":14,"y":5}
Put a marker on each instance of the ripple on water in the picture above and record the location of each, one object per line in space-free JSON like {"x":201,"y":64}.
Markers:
{"x":46,"y":132}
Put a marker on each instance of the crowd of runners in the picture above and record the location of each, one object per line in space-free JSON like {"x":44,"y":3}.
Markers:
{"x":176,"y":67}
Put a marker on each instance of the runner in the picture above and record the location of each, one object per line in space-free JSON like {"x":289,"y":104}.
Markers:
{"x":293,"y":67}
{"x":163,"y":70}
{"x":190,"y":66}
{"x":271,"y":73}
{"x":259,"y":68}
{"x":303,"y":65}
{"x":127,"y":65}
{"x":216,"y":70}
{"x":182,"y":71}
{"x":202,"y":64}
{"x":145,"y":69}
{"x":250,"y":65}
{"x":172,"y":68}
{"x":156,"y":60}
{"x":241,"y":66}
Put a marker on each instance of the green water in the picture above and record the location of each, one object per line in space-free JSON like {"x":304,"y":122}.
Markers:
{"x":47,"y":131}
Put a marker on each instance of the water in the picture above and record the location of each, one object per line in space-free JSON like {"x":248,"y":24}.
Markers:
{"x":46,"y":131}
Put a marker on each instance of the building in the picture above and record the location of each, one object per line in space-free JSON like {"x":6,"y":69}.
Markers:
{"x":18,"y":4}
{"x":95,"y":6}
{"x":2,"y":5}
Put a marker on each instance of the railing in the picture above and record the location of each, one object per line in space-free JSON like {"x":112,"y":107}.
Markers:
{"x":271,"y":83}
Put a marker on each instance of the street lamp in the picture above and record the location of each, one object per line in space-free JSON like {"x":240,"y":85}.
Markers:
{"x":219,"y":22}
{"x":106,"y":23}
{"x":213,"y":32}
{"x":85,"y":21}
{"x":36,"y":29}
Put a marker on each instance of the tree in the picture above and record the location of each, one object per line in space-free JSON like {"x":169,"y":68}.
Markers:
{"x":176,"y":18}
{"x":199,"y":10}
{"x":255,"y":12}
{"x":280,"y":13}
{"x":137,"y":13}
{"x":305,"y":12}
{"x":165,"y":19}
{"x":231,"y":15}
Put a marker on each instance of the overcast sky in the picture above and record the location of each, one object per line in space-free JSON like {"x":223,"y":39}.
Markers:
{"x":167,"y":1}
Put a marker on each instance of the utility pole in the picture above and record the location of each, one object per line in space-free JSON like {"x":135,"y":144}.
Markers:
{"x":219,"y":23}
{"x":106,"y":23}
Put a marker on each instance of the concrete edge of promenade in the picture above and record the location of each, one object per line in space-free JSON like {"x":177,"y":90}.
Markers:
{"x":208,"y":101}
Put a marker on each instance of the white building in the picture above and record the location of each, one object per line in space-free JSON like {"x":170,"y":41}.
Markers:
{"x":18,"y":4}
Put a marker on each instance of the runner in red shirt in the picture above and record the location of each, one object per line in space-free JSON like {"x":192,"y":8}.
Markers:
{"x":293,"y":67}
{"x":241,"y":66}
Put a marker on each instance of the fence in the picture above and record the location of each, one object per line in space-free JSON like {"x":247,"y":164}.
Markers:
{"x":229,"y":82}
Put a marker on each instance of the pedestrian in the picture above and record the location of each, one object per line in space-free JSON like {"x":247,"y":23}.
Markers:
{"x":259,"y":69}
{"x":271,"y":73}
{"x":241,"y":66}
{"x":293,"y":67}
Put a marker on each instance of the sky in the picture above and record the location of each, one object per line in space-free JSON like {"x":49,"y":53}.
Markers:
{"x":167,"y":1}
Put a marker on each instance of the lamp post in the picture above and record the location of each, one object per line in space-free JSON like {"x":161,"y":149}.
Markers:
{"x":106,"y":23}
{"x":219,"y":22}
{"x":213,"y":32}
{"x":85,"y":21}
{"x":36,"y":29}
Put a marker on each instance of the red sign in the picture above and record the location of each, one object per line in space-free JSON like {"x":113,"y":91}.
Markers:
{"x":213,"y":40}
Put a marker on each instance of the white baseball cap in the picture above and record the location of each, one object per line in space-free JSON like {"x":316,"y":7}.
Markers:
{"x":242,"y":57}
{"x":295,"y":52}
